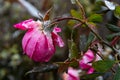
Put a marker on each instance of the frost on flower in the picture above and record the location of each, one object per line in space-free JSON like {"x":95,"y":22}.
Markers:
{"x":37,"y":43}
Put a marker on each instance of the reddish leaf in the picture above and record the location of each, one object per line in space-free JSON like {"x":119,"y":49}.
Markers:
{"x":47,"y":15}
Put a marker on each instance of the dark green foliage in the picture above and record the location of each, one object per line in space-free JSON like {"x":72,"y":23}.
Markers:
{"x":89,"y":41}
{"x":73,"y":51}
{"x":103,"y":65}
{"x":113,"y":28}
{"x":91,"y":76}
{"x":117,"y":74}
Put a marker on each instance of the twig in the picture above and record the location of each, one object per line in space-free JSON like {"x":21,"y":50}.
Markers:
{"x":82,"y":9}
{"x":67,"y":18}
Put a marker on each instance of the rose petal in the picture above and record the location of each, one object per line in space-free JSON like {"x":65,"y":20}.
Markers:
{"x":65,"y":76}
{"x":44,"y":49}
{"x":27,"y":24}
{"x":90,"y":71}
{"x":56,"y":38}
{"x":88,"y":56}
{"x":84,"y":65}
{"x":41,"y":49}
{"x":29,"y":41}
{"x":51,"y":47}
{"x":73,"y":74}
{"x":56,"y":30}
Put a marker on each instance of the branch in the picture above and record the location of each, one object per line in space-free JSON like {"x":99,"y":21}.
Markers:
{"x":67,"y":18}
{"x":81,"y":8}
{"x":101,"y":40}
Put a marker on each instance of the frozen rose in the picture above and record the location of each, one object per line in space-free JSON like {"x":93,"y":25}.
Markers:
{"x":38,"y":42}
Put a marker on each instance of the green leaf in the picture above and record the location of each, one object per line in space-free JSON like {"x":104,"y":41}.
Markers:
{"x":103,"y":65}
{"x":113,"y":28}
{"x":76,"y":14}
{"x":113,"y":35}
{"x":73,"y":51}
{"x":91,"y":76}
{"x":95,"y":18}
{"x":117,"y":12}
{"x":90,"y":39}
{"x":117,"y":74}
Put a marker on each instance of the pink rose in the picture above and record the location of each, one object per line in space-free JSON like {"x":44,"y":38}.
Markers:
{"x":85,"y":62}
{"x":38,"y":42}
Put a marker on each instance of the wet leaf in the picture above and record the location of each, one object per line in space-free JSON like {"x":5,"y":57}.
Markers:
{"x":117,"y":74}
{"x":103,"y":65}
{"x":89,"y":41}
{"x":43,"y":68}
{"x":113,"y":28}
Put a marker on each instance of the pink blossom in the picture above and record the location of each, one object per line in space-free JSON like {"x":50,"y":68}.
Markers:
{"x":38,"y":43}
{"x":85,"y":62}
{"x":72,"y":74}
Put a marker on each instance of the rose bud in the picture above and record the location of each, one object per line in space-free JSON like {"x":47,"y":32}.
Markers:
{"x":39,"y":43}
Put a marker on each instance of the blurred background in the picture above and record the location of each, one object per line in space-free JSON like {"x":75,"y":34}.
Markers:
{"x":13,"y":64}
